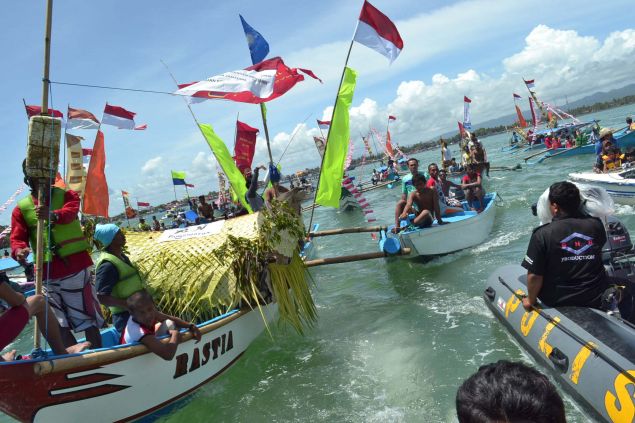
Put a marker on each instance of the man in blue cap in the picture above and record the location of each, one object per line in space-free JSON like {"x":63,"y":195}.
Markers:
{"x":116,"y":277}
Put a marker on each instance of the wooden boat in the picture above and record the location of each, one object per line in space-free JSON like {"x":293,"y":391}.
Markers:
{"x":125,"y":382}
{"x":591,"y":353}
{"x":620,"y":185}
{"x":464,"y":230}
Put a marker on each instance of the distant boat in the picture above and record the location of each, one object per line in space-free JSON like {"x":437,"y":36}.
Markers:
{"x":620,"y":185}
{"x":464,"y":230}
{"x":624,"y":140}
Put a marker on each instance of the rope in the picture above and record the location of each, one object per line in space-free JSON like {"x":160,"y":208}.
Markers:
{"x":106,"y":87}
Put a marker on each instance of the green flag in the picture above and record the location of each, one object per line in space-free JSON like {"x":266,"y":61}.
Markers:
{"x":176,"y":174}
{"x":337,"y":145}
{"x":234,"y":175}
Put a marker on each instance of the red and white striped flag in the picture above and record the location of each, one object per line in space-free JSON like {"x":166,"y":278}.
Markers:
{"x":36,"y":110}
{"x":516,"y":96}
{"x":376,"y":31}
{"x":81,"y":119}
{"x":142,"y":204}
{"x":121,"y":118}
{"x":391,"y":117}
{"x":324,"y":124}
{"x":530,"y":84}
{"x":259,"y":83}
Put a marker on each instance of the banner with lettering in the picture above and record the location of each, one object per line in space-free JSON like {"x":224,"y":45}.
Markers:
{"x":245,"y":146}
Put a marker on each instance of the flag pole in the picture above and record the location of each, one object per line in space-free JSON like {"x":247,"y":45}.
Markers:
{"x":66,"y":145}
{"x":326,"y":143}
{"x":174,"y":187}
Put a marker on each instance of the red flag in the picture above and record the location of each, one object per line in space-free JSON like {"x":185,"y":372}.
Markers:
{"x":81,"y":119}
{"x":87,"y":151}
{"x":521,"y":118}
{"x":533,"y":112}
{"x":189,"y":185}
{"x":391,"y":117}
{"x":96,"y":199}
{"x":376,"y":31}
{"x":245,"y":146}
{"x":142,"y":204}
{"x":389,"y":145}
{"x":36,"y":110}
{"x":120,"y":118}
{"x":516,"y":96}
{"x":467,"y":100}
{"x":259,"y":83}
{"x":59,"y":181}
{"x":461,"y":129}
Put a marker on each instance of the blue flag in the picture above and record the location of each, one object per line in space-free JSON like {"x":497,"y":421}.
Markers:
{"x":258,"y":46}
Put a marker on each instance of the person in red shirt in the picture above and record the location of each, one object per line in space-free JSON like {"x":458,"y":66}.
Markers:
{"x":473,"y":188}
{"x":435,"y":183}
{"x":67,"y":277}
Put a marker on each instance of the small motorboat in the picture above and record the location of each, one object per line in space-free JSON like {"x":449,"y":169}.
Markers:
{"x":620,"y":185}
{"x":465,"y":229}
{"x":591,"y":353}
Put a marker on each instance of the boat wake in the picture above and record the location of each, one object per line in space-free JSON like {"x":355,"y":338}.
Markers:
{"x":500,"y":241}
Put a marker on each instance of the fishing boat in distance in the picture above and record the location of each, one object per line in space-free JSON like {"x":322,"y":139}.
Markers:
{"x":620,"y":185}
{"x":465,"y":229}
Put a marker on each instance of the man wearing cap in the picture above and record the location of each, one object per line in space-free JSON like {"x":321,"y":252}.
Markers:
{"x":116,"y":277}
{"x":66,"y":275}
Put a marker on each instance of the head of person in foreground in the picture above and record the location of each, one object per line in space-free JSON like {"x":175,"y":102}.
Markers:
{"x":511,"y":392}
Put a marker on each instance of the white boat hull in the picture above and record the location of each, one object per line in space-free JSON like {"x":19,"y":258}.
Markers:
{"x":455,"y":236}
{"x":129,"y":388}
{"x":621,"y":189}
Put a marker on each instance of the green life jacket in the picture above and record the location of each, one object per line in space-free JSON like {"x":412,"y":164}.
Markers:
{"x":67,"y":238}
{"x":129,"y":279}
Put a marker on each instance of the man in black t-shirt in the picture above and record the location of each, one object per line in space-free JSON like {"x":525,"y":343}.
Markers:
{"x":564,"y":257}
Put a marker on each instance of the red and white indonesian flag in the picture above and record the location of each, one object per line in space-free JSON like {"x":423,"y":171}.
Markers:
{"x":120,"y":118}
{"x":81,"y":119}
{"x":376,"y":31}
{"x":530,"y":84}
{"x":259,"y":83}
{"x":324,"y":124}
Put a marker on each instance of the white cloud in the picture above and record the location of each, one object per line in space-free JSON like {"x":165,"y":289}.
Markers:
{"x":152,"y":165}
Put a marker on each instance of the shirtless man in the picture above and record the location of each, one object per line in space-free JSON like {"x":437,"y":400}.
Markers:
{"x":472,"y":185}
{"x":435,"y":182}
{"x":424,"y":202}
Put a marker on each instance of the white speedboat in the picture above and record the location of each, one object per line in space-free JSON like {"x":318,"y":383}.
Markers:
{"x":620,"y":185}
{"x":464,"y":230}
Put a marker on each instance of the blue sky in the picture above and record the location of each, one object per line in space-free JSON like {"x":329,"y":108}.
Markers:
{"x":480,"y":48}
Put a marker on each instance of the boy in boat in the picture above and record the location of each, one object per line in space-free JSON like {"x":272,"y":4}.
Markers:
{"x":435,"y":183}
{"x":473,"y":187}
{"x":67,"y":262}
{"x":146,"y":324}
{"x":407,"y":187}
{"x":445,"y":186}
{"x":18,"y":315}
{"x":424,"y":202}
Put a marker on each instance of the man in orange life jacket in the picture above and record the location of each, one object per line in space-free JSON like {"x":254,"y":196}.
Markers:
{"x":66,"y":274}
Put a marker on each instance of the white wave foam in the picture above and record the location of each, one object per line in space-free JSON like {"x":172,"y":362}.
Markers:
{"x":499,"y":241}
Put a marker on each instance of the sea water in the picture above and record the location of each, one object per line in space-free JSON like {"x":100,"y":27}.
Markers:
{"x":395,"y":338}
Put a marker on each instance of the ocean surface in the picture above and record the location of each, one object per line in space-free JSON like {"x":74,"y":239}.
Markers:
{"x":395,"y":338}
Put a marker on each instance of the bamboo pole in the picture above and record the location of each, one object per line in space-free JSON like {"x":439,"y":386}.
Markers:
{"x":355,"y":257}
{"x":354,"y":230}
{"x":545,"y":151}
{"x":39,"y":255}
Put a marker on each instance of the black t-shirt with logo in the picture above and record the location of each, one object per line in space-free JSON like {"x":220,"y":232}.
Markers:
{"x":567,"y":253}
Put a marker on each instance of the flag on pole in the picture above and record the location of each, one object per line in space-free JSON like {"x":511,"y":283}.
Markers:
{"x":333,"y":165}
{"x":256,"y":84}
{"x":258,"y":46}
{"x":120,"y":118}
{"x":75,"y":172}
{"x":467,"y":120}
{"x":189,"y":185}
{"x":178,"y":177}
{"x":142,"y":204}
{"x":529,"y":84}
{"x":96,"y":199}
{"x":521,"y":119}
{"x":81,"y":119}
{"x":389,"y":149}
{"x":36,"y":110}
{"x":391,"y":117}
{"x":377,"y":32}
{"x":516,"y":96}
{"x":319,"y":144}
{"x":234,"y":175}
{"x":533,"y":112}
{"x":461,"y":130}
{"x":130,"y":212}
{"x":324,"y":124}
{"x":245,"y":146}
